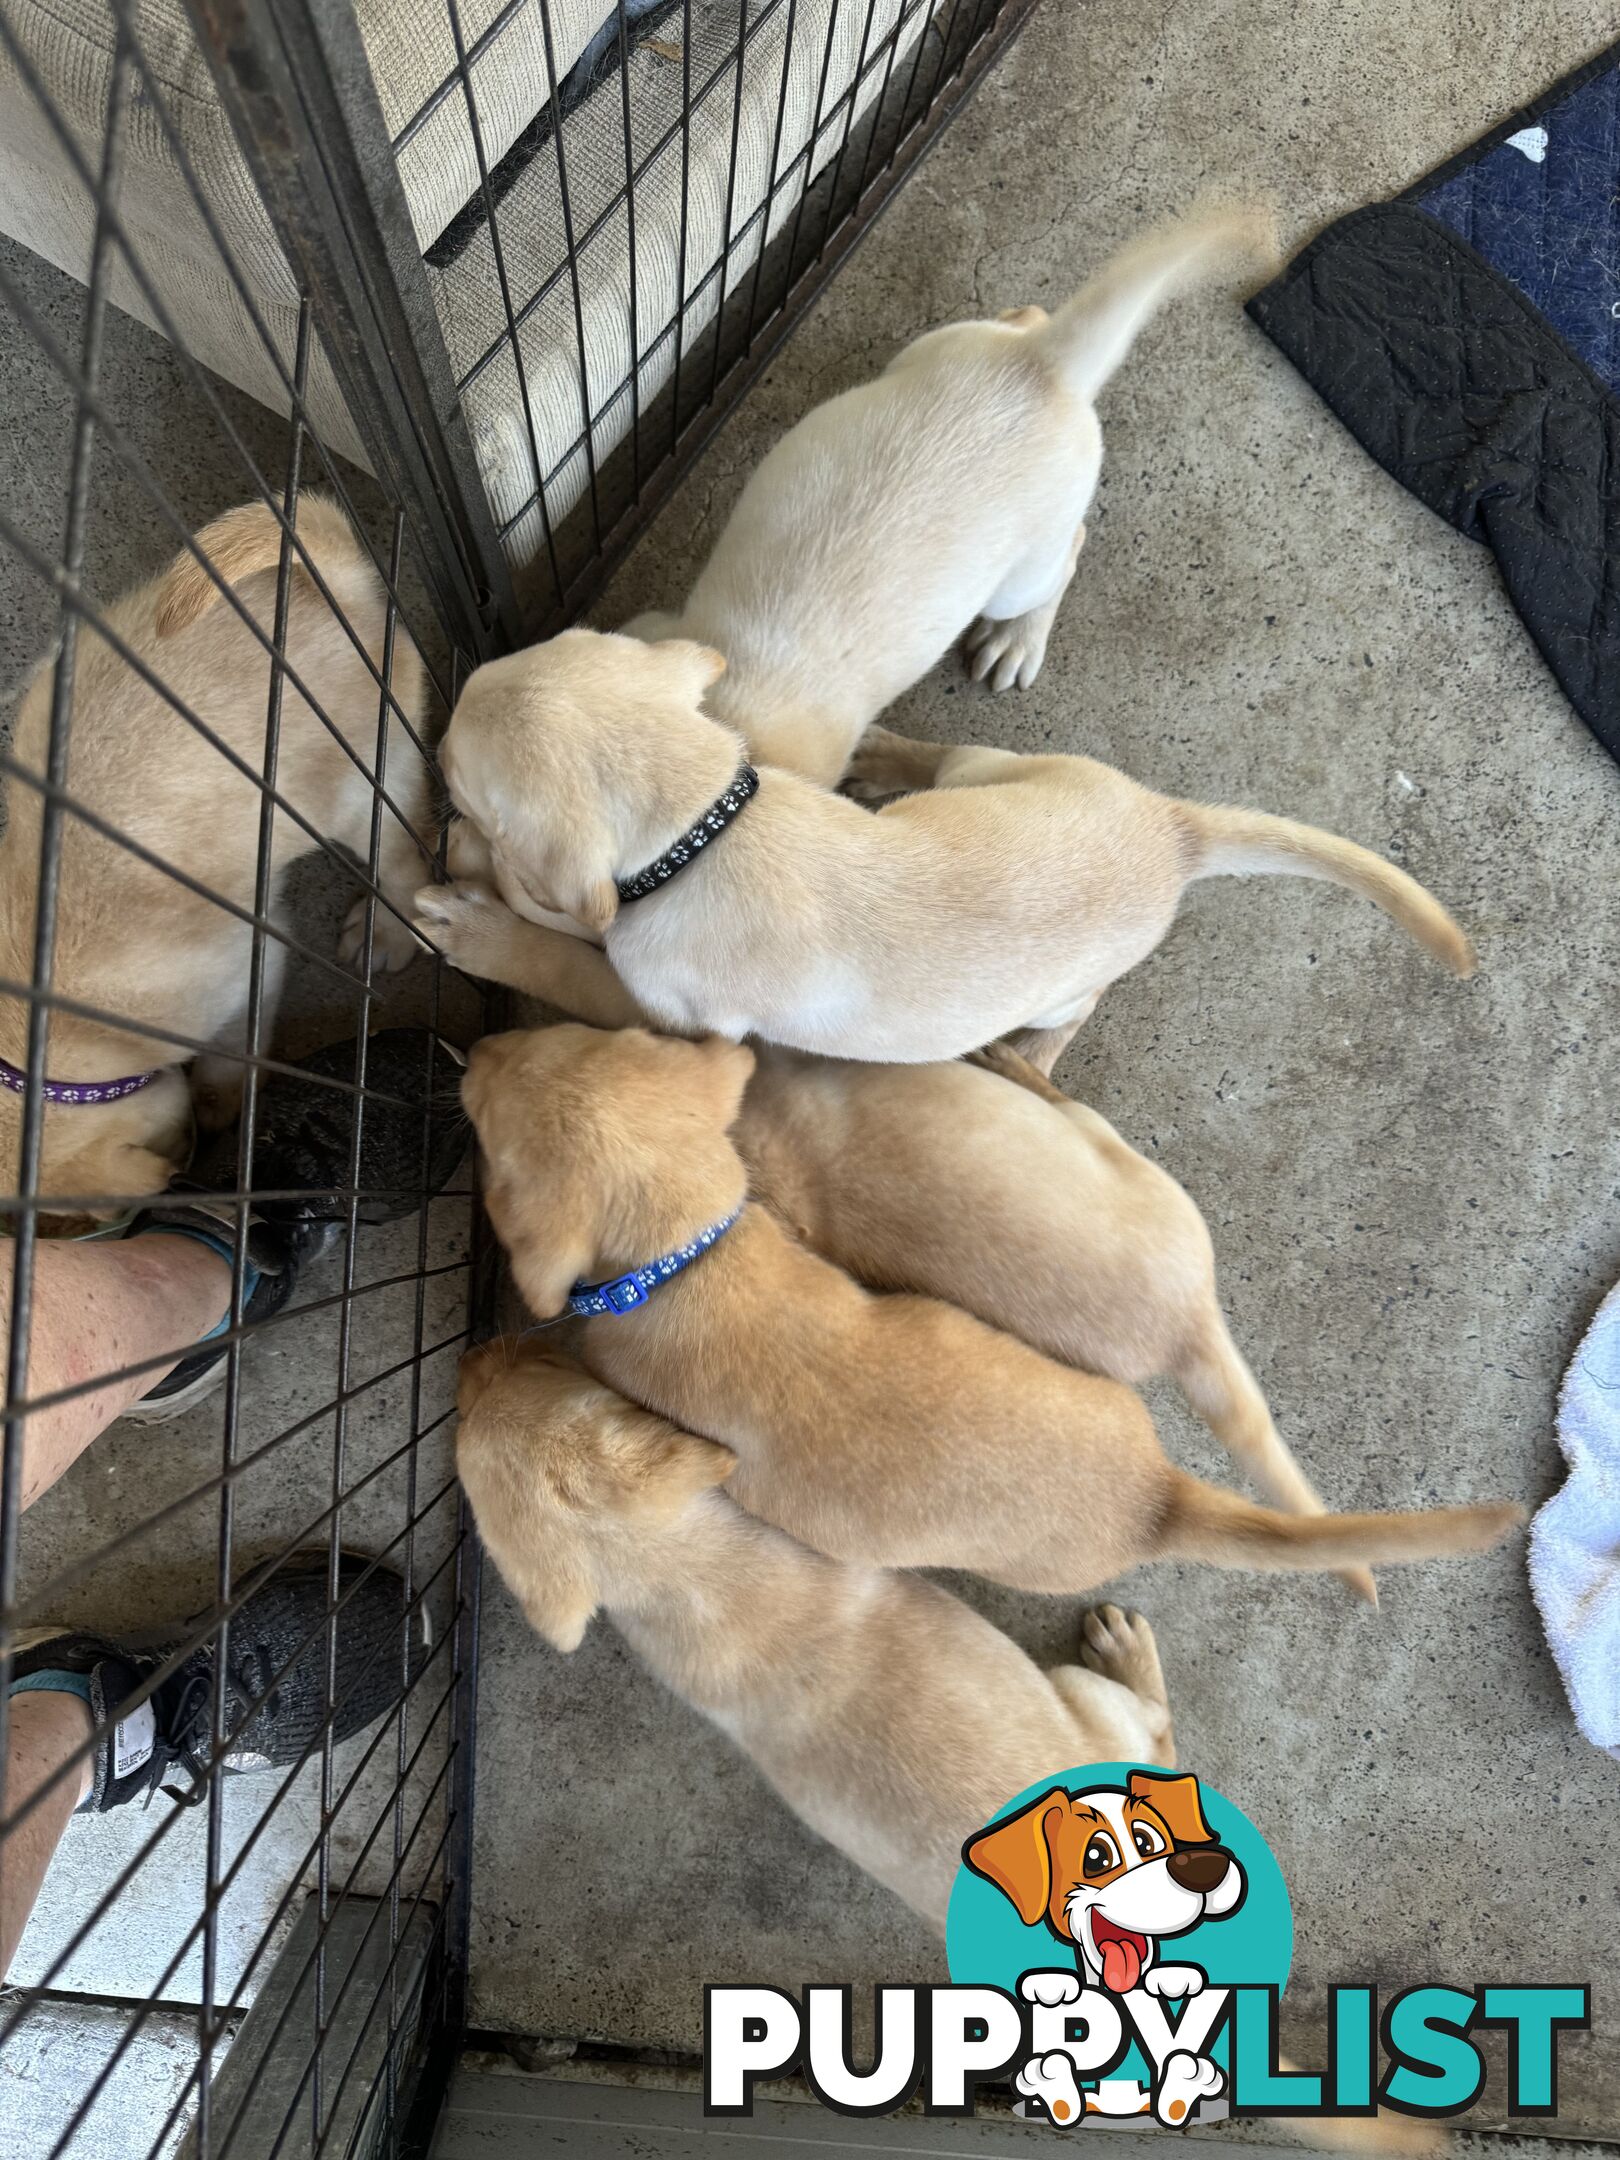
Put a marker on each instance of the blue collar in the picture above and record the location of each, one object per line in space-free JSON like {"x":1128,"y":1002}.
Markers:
{"x":626,"y":1293}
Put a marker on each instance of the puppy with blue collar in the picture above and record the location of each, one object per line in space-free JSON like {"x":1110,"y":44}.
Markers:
{"x":1011,"y":1201}
{"x":889,"y":1716}
{"x":890,"y":1430}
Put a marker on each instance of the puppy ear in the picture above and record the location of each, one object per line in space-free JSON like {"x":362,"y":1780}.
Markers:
{"x":244,"y":540}
{"x":529,"y":1537}
{"x":546,"y":1275}
{"x":1016,"y":1857}
{"x":695,"y":666}
{"x":560,"y":1605}
{"x":678,"y":1467}
{"x":581,"y":883}
{"x":1177,"y":1800}
{"x":584,"y":879}
{"x":551,"y":1230}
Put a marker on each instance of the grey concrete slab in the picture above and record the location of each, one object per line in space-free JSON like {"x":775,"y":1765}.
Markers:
{"x":54,"y":2062}
{"x":494,"y":2111}
{"x":1411,"y":1183}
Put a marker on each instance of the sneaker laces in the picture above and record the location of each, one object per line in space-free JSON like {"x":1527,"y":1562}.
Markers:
{"x":186,"y":1741}
{"x":175,"y":1745}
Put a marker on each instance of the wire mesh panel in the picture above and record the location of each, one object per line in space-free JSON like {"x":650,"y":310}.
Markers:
{"x":243,"y":1253}
{"x":656,"y":188}
{"x":438,"y":298}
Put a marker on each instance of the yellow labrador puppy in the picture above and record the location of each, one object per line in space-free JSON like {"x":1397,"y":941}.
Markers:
{"x":891,"y":1430}
{"x":133,"y":942}
{"x":1013,"y":1202}
{"x":946,"y":495}
{"x":1008,"y":895}
{"x":890,"y":1717}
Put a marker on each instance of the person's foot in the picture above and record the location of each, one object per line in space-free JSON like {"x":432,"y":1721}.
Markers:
{"x":275,"y":1678}
{"x":412,"y":1136}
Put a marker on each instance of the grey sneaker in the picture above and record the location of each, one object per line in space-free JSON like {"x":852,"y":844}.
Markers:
{"x":275,"y":1678}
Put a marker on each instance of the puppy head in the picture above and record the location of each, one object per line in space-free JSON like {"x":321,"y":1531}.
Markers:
{"x":601,"y":1149}
{"x":568,"y":756}
{"x":567,"y":1479}
{"x":1112,"y":1872}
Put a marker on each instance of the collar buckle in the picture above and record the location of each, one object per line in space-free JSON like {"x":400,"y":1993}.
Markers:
{"x":623,"y":1294}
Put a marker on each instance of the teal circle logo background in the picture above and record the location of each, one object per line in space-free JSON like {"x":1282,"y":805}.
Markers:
{"x":987,"y":1945}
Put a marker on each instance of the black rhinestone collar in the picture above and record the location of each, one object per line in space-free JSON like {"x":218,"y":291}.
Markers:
{"x":709,"y":827}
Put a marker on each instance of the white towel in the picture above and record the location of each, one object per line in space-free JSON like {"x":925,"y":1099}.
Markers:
{"x":1575,"y":1539}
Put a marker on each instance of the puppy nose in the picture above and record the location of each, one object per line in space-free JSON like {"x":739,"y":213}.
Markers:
{"x":1199,"y":1871}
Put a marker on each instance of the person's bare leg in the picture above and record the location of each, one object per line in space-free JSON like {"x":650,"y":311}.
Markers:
{"x":478,"y":932}
{"x":44,"y":1729}
{"x":100,"y":1305}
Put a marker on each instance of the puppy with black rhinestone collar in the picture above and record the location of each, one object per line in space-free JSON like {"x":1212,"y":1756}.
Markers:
{"x":1007,"y":895}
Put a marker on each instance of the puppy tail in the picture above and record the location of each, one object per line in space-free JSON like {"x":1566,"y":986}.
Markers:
{"x":1242,"y":843}
{"x":1087,"y":339}
{"x":1226,"y":1395}
{"x":246,"y":540}
{"x":1206,"y":1522}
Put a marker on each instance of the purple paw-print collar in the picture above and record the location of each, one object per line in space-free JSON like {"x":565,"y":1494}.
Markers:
{"x":80,"y":1091}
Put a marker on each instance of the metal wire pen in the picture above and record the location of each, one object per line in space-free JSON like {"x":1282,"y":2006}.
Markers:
{"x":647,"y":216}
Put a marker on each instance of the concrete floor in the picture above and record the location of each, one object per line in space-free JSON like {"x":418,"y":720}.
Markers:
{"x":139,"y":1946}
{"x":1411,"y":1182}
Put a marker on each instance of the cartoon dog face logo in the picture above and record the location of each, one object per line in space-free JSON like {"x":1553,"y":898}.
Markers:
{"x":1113,"y":1873}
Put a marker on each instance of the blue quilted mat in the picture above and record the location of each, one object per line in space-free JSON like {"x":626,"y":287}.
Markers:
{"x":1543,"y":206}
{"x":1468,"y":334}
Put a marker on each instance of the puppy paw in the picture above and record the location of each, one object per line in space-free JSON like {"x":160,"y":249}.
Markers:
{"x":886,"y":764}
{"x":1187,"y":2079}
{"x":1050,"y":1989}
{"x":1120,"y":1646}
{"x":469,"y":925}
{"x":1004,"y":653}
{"x":216,"y":1092}
{"x":394,"y":945}
{"x":1008,"y":1063}
{"x":1050,"y":2079}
